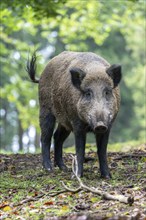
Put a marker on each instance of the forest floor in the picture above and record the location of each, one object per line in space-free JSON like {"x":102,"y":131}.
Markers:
{"x":28,"y":192}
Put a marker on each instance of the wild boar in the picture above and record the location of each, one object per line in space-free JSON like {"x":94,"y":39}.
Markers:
{"x":79,"y":91}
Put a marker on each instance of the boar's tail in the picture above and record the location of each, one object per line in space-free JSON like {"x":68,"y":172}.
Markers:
{"x":31,"y":68}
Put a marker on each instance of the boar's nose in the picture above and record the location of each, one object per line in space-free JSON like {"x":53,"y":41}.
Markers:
{"x":100,"y":127}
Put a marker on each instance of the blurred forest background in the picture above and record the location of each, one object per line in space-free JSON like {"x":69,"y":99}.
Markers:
{"x":112,"y":29}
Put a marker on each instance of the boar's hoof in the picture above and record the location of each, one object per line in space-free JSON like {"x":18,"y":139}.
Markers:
{"x":63,"y":167}
{"x":47,"y":167}
{"x":106,"y":176}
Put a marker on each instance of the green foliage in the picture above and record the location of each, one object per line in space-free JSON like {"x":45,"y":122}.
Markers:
{"x":114,"y":30}
{"x":39,"y":8}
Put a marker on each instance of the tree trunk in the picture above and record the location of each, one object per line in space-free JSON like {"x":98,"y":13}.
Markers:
{"x":20,"y":134}
{"x":37,"y":141}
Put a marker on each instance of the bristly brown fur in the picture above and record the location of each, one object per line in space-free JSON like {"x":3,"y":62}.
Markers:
{"x":56,"y":92}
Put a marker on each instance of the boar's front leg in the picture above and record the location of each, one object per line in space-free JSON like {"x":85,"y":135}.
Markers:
{"x":80,"y":139}
{"x":47,"y":123}
{"x":59,"y":137}
{"x":102,"y":141}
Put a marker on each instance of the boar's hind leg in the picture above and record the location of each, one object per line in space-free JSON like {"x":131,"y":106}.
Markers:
{"x":47,"y":124}
{"x":59,"y":137}
{"x":80,"y":139}
{"x":102,"y":141}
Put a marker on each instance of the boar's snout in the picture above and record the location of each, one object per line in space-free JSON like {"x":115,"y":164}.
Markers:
{"x":100,"y":127}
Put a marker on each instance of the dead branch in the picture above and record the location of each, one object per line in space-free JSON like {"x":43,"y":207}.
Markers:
{"x":82,"y":186}
{"x":55,"y":193}
{"x":104,"y":195}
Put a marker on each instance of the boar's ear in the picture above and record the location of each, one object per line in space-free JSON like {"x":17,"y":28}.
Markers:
{"x":77,"y":75}
{"x":114,"y":71}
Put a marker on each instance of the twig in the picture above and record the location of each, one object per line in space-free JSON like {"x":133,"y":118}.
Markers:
{"x":55,"y":193}
{"x":71,"y":190}
{"x":30,"y":199}
{"x":104,"y":195}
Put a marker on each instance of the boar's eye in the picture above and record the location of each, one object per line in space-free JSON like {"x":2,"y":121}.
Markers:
{"x":88,"y":94}
{"x":107,"y":93}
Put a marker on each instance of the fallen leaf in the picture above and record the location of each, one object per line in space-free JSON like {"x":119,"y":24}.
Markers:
{"x":94,"y":199}
{"x":7,"y":208}
{"x":32,"y":206}
{"x":65,"y":207}
{"x":3,"y":205}
{"x":49,"y":203}
{"x":15,"y":213}
{"x":62,"y":196}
